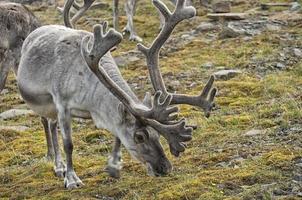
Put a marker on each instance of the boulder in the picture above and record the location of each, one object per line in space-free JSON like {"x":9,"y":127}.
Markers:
{"x":226,"y":74}
{"x":227,"y":16}
{"x":14,"y":113}
{"x":221,"y":6}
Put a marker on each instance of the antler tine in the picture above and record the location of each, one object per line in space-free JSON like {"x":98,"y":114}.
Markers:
{"x":171,"y":20}
{"x":82,"y":10}
{"x":180,"y":13}
{"x":176,"y":134}
{"x":205,"y":100}
{"x":102,"y":43}
{"x":66,"y":12}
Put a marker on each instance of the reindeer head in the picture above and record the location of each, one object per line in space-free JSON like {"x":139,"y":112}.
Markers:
{"x":144,"y":123}
{"x":142,"y":142}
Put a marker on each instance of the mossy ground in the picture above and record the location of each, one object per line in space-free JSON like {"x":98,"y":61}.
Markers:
{"x":219,"y":163}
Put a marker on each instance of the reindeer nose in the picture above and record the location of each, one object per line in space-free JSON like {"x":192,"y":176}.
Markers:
{"x":163,"y":168}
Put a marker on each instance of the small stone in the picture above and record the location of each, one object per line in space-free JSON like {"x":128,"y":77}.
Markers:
{"x":203,"y":27}
{"x":298,"y":177}
{"x":175,"y":84}
{"x":226,"y":74}
{"x":272,"y":27}
{"x":184,"y":36}
{"x":295,"y":6}
{"x":14,"y":128}
{"x":14,"y":113}
{"x":205,"y":3}
{"x":299,"y":194}
{"x":192,"y":85}
{"x":5,"y":91}
{"x":228,"y":32}
{"x":207,"y":65}
{"x":120,"y":61}
{"x":227,"y":16}
{"x":266,"y":6}
{"x":298,"y":52}
{"x":221,"y":6}
{"x":280,"y":65}
{"x":254,"y":132}
{"x":221,"y":164}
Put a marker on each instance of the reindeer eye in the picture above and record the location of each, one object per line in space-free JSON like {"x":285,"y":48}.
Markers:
{"x":140,"y":136}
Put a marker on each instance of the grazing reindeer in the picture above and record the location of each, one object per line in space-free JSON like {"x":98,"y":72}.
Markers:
{"x":67,"y":73}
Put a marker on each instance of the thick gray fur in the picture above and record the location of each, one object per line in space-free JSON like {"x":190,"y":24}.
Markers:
{"x":16,"y":22}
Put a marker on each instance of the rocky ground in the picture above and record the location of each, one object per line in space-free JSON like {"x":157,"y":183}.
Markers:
{"x":250,"y":148}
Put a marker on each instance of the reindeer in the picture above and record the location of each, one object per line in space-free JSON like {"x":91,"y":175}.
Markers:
{"x":130,"y":7}
{"x":16,"y":23}
{"x":67,"y":73}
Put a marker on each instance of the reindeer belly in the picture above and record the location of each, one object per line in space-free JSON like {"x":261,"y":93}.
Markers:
{"x":40,"y":103}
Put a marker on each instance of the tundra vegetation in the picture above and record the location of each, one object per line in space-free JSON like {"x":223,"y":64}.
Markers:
{"x":250,"y":147}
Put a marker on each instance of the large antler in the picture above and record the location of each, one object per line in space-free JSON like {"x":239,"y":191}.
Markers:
{"x":181,"y":12}
{"x":175,"y":132}
{"x":79,"y":13}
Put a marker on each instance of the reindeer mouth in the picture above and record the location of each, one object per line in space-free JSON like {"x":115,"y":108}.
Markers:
{"x":150,"y":170}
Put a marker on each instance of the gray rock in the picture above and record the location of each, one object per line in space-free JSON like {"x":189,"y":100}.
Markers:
{"x":205,"y":26}
{"x":254,"y":132}
{"x":175,"y":84}
{"x":273,"y":27}
{"x":14,"y":113}
{"x":50,"y":2}
{"x":266,"y":6}
{"x":226,"y":74}
{"x":14,"y":128}
{"x":5,"y":91}
{"x":221,"y":6}
{"x":207,"y":65}
{"x":280,"y":66}
{"x":298,"y":52}
{"x":228,"y":32}
{"x":126,"y":58}
{"x":295,"y":6}
{"x":205,"y":3}
{"x":227,"y":16}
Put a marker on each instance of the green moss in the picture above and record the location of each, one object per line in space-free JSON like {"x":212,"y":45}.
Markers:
{"x":207,"y":170}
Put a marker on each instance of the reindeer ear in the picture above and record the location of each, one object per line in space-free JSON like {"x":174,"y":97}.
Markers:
{"x":123,"y":112}
{"x":147,"y":100}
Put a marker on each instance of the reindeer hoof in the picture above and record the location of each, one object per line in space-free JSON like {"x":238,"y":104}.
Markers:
{"x":60,"y":170}
{"x":135,"y":38}
{"x":113,"y":172}
{"x":72,"y":181}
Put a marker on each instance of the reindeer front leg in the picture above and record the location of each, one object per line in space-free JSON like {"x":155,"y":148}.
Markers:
{"x":130,"y":10}
{"x":71,"y":180}
{"x":115,"y":160}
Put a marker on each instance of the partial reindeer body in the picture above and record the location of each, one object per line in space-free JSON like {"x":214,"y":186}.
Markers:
{"x":16,"y":22}
{"x":62,"y":76}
